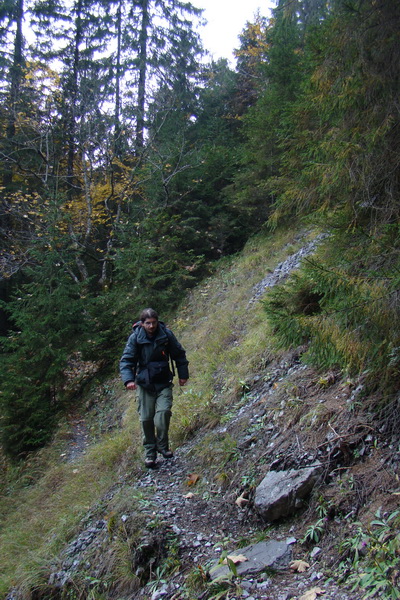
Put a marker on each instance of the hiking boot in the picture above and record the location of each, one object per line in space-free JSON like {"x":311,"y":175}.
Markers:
{"x":166,"y":453}
{"x":150,"y":463}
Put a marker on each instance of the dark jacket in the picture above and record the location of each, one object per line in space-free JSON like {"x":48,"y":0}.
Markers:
{"x":140,"y":350}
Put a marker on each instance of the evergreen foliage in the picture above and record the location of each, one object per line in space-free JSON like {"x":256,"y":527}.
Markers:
{"x":343,"y":128}
{"x":48,"y":318}
{"x":265,"y":123}
{"x":344,"y":306}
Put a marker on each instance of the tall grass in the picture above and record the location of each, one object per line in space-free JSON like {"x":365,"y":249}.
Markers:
{"x":46,"y":514}
{"x":345,"y":305}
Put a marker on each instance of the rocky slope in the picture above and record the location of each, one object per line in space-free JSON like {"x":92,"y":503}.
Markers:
{"x":192,"y":511}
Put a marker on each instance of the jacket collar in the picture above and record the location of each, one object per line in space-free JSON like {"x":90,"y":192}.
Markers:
{"x":159,"y":335}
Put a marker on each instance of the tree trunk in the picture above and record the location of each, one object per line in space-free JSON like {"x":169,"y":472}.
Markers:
{"x":143,"y":41}
{"x":117,"y":109}
{"x":16,"y":74}
{"x":71,"y":110}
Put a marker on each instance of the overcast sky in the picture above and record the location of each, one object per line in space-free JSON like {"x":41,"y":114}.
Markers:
{"x":226,"y":20}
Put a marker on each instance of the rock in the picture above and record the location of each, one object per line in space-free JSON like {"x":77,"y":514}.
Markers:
{"x":280,"y":493}
{"x":160,"y":593}
{"x":272,"y":554}
{"x":176,"y":529}
{"x":291,"y":540}
{"x":263,"y":585}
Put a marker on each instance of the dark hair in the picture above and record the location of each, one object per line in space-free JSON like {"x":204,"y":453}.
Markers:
{"x":148,"y":313}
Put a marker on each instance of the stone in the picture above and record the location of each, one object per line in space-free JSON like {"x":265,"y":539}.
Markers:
{"x":291,"y":540}
{"x":272,"y":554}
{"x":280,"y":493}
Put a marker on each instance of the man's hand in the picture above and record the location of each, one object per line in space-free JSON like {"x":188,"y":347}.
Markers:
{"x":131,"y":385}
{"x":182,"y":381}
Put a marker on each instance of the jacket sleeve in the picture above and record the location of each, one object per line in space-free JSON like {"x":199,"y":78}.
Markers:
{"x":178,"y":354}
{"x":129,"y":359}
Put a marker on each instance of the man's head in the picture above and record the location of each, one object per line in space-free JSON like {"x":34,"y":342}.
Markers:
{"x":149,"y":320}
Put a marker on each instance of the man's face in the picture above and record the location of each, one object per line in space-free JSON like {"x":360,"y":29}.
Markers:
{"x":150,"y":326}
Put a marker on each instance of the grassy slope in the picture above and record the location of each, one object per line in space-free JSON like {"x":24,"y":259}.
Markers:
{"x":226,"y":334}
{"x":225,"y":340}
{"x":228,"y":343}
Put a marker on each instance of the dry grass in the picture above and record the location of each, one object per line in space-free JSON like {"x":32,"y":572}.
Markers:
{"x":44,"y":516}
{"x":225,"y":333}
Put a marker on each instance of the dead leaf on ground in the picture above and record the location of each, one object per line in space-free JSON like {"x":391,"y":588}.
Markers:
{"x":235,"y":558}
{"x":193,"y":479}
{"x":189,"y":495}
{"x":299,"y":565}
{"x":241,"y":501}
{"x":312,"y":594}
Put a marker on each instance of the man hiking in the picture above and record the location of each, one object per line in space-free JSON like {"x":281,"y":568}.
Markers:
{"x":145,"y":367}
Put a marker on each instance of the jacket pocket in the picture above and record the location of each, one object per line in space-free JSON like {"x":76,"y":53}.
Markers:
{"x":156,"y":371}
{"x":159,"y":371}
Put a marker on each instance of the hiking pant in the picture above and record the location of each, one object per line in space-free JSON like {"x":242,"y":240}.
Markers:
{"x":155,"y":414}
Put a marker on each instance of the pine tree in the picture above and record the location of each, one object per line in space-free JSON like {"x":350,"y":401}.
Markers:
{"x":47,"y":316}
{"x":250,"y":57}
{"x":343,"y":134}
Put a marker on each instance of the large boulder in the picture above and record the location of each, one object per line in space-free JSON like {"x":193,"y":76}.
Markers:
{"x":281,"y":493}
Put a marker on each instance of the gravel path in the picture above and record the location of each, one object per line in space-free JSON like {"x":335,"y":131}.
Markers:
{"x":208,"y":526}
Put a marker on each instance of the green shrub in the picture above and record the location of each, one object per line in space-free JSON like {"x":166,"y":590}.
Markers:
{"x":344,"y":305}
{"x":372,"y":555}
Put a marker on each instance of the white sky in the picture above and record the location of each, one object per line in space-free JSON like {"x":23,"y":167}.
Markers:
{"x":226,"y":20}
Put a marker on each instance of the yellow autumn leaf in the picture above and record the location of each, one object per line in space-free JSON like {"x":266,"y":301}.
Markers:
{"x":241,"y":501}
{"x":312,"y":594}
{"x":299,"y":565}
{"x":235,"y":558}
{"x":193,"y":479}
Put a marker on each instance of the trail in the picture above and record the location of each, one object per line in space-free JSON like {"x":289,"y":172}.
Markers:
{"x":207,"y":521}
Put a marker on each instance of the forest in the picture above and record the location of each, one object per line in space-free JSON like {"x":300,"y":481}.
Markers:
{"x":131,"y":164}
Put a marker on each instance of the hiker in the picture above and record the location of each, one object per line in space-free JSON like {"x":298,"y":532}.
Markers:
{"x":145,"y":367}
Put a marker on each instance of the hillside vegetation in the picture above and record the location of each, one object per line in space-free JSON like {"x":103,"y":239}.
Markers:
{"x":249,"y":405}
{"x":135,"y":173}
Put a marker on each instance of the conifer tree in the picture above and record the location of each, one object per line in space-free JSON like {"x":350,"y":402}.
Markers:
{"x":47,"y":315}
{"x":250,"y":57}
{"x":343,"y":132}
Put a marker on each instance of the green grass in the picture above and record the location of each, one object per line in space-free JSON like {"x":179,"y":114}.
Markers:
{"x":42,"y":517}
{"x":226,"y":336}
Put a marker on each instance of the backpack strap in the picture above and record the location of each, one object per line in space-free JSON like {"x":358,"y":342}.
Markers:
{"x":170,"y":357}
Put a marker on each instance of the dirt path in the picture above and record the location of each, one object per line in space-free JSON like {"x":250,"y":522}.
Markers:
{"x":209,"y":524}
{"x":79,"y":438}
{"x":185,"y":498}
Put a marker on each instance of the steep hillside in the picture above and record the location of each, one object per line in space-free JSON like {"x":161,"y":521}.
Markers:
{"x":86,"y":520}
